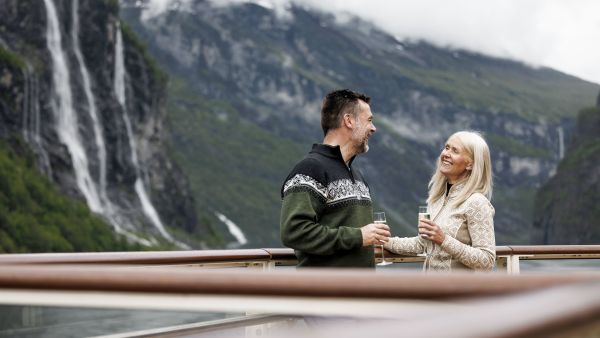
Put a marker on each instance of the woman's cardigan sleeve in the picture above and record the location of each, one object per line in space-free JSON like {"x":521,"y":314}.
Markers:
{"x":481,"y":254}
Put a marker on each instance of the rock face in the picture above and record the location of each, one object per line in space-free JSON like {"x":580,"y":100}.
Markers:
{"x":272,"y":69}
{"x":58,"y":84}
{"x":566,"y":208}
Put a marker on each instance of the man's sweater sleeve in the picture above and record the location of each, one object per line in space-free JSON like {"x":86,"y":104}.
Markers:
{"x":301,"y":230}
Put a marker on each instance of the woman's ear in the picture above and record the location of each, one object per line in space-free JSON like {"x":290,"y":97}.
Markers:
{"x":470,"y":166}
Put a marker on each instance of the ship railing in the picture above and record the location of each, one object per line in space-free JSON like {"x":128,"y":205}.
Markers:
{"x":276,"y":302}
{"x":508,"y":258}
{"x":261,"y":299}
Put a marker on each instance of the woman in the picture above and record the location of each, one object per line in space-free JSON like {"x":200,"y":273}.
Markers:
{"x":460,"y":234}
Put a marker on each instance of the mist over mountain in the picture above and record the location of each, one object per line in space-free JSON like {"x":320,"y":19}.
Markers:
{"x":245,"y":92}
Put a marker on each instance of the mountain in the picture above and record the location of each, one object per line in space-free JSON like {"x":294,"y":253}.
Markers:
{"x":566,"y":207}
{"x":246,"y":83}
{"x":88,"y":102}
{"x":97,"y":138}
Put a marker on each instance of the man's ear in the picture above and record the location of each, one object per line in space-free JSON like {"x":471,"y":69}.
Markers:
{"x":348,"y":120}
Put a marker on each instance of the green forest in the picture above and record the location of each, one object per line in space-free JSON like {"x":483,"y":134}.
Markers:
{"x":36,"y":217}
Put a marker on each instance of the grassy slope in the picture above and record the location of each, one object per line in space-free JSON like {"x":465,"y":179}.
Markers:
{"x":479,"y":82}
{"x":36,"y":217}
{"x":235,"y":167}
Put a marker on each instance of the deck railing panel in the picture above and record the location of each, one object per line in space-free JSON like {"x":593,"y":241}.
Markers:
{"x":571,"y":311}
{"x":164,"y":280}
{"x":309,"y":282}
{"x":459,"y":304}
{"x":508,"y":257}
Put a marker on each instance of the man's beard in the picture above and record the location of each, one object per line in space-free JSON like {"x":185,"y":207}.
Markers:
{"x":363,"y":146}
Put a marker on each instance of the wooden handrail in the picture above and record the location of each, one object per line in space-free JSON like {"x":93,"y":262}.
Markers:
{"x":305,"y":283}
{"x":281,"y":253}
{"x":553,"y":249}
{"x":245,"y":255}
{"x":139,"y":257}
{"x":503,"y":250}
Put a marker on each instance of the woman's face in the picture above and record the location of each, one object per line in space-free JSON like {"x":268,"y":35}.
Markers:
{"x":455,"y":163}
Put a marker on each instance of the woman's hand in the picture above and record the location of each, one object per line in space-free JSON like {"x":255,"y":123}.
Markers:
{"x":431,"y":231}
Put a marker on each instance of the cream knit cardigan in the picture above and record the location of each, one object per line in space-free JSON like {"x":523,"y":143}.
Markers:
{"x":470,"y":243}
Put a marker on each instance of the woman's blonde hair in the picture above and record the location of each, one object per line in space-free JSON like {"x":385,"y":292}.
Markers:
{"x":480,"y":177}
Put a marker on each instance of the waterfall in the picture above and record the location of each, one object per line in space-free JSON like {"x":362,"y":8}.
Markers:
{"x":234,"y":230}
{"x":87,"y":86}
{"x":561,"y":143}
{"x":67,"y":124}
{"x":120,"y":72}
{"x":65,"y":116}
{"x":26,"y":103}
{"x":31,"y":119}
{"x":140,"y":189}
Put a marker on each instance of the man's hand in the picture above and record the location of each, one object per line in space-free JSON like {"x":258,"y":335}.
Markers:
{"x":375,"y":234}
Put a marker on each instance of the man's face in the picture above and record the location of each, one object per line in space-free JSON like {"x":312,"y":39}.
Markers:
{"x":364,"y":128}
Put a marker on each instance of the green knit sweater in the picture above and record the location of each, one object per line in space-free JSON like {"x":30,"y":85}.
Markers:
{"x":324,"y":205}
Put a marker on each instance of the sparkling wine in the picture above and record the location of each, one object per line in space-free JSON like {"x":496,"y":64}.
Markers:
{"x":423,"y":214}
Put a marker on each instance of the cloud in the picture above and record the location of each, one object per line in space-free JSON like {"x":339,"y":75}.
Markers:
{"x":563,"y":35}
{"x":560,"y":34}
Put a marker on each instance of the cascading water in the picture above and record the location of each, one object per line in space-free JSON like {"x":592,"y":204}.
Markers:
{"x":67,"y":124}
{"x":561,"y":143}
{"x":31,"y":119}
{"x":65,"y":116}
{"x":87,"y":86}
{"x":140,"y":189}
{"x":234,"y":230}
{"x":26,"y":104}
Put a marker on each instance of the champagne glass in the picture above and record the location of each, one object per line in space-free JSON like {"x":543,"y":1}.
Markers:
{"x":423,"y":213}
{"x":379,"y":218}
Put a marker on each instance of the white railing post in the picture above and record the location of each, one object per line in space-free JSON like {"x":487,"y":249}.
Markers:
{"x":265,"y":266}
{"x":270,"y":265}
{"x":513,"y":265}
{"x":508,"y":263}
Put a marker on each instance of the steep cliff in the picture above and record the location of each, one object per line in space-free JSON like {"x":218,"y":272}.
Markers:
{"x":247,"y":83}
{"x":566,"y":208}
{"x":84,"y":95}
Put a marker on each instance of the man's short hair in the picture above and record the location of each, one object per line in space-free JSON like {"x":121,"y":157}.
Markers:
{"x":336,"y":104}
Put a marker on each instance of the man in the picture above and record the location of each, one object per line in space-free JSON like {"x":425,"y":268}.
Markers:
{"x":326,"y":213}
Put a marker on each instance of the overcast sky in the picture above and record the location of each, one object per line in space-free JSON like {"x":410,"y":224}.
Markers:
{"x":561,"y":34}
